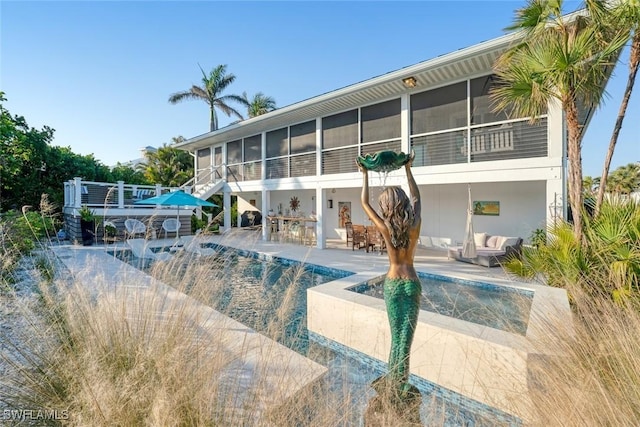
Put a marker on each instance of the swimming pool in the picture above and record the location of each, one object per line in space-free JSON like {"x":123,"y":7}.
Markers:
{"x":249,"y":277}
{"x":485,"y":304}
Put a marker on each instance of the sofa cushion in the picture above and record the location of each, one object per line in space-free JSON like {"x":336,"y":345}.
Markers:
{"x":508,"y":241}
{"x":480,"y":239}
{"x":492,"y":242}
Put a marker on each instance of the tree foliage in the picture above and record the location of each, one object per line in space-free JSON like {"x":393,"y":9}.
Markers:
{"x":563,"y":59}
{"x":213,"y":85}
{"x":611,"y":257}
{"x":259,"y":104}
{"x":30,"y":166}
{"x":168,"y":166}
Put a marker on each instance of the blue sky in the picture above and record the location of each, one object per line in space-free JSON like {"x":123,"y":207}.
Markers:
{"x":100,"y":73}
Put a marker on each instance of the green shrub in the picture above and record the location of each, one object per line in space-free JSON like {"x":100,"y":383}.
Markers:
{"x":611,"y":249}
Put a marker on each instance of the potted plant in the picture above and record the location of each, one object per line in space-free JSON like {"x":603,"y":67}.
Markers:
{"x":87,"y":224}
{"x":110,"y":232}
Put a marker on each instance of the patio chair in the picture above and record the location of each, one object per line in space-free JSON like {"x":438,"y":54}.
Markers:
{"x":141,"y":249}
{"x":349,"y":228}
{"x":134,"y":227}
{"x":375,"y":239}
{"x":359,"y":238}
{"x":171,"y":225}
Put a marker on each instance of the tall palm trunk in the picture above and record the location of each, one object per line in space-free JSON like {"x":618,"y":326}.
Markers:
{"x":575,"y":167}
{"x":213,"y":120}
{"x":634,"y":60}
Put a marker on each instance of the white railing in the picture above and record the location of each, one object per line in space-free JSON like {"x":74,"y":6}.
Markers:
{"x":78,"y":193}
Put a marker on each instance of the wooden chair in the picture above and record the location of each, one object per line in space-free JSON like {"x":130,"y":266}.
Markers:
{"x":349,"y":228}
{"x":359,"y":237}
{"x":374,"y":239}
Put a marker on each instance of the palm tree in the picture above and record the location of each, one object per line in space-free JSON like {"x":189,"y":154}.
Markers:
{"x":590,"y":185}
{"x":259,"y":104}
{"x":168,"y":166}
{"x":211,"y":92}
{"x":625,"y":13}
{"x":625,"y":179}
{"x":562,"y":59}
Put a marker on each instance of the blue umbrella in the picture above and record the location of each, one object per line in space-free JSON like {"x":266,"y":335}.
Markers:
{"x":176,"y":198}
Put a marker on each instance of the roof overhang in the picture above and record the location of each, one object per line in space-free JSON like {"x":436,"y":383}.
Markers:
{"x":441,"y":70}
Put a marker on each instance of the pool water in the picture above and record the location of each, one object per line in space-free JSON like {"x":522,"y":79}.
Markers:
{"x":254,"y":288}
{"x":485,"y":304}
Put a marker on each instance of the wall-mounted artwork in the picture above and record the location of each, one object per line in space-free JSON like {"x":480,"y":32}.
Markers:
{"x":344,"y":213}
{"x":486,"y":208}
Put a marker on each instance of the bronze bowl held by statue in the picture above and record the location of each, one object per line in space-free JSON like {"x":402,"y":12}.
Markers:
{"x":384,"y":161}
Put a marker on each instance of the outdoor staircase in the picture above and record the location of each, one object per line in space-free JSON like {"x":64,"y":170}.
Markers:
{"x":205,"y":191}
{"x":213,"y":182}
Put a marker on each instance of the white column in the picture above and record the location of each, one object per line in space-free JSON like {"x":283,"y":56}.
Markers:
{"x":121,"y":194}
{"x":321,"y":206}
{"x":226,"y":202}
{"x":405,"y":143}
{"x":266,"y":205}
{"x":77,"y":187}
{"x":318,"y":149}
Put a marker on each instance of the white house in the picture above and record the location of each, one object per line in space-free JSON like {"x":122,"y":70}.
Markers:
{"x":438,"y":108}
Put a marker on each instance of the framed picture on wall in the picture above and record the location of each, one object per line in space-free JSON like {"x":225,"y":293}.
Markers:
{"x":344,"y":213}
{"x":486,"y":208}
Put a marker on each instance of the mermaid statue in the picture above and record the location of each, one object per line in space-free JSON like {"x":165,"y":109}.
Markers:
{"x":399,"y":223}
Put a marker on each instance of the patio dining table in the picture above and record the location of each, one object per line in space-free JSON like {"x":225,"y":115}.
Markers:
{"x":285,"y":232}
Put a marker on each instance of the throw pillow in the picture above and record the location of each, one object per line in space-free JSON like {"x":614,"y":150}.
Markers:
{"x":492,"y":242}
{"x":480,"y":239}
{"x":508,"y":241}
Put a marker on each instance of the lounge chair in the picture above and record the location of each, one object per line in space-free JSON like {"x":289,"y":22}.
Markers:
{"x":134,"y":227}
{"x":192,"y":245}
{"x":141,"y":249}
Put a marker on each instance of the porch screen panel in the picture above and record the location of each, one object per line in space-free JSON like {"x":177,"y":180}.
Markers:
{"x":278,"y":143}
{"x":339,"y":161}
{"x":303,"y":137}
{"x":441,"y":149}
{"x":252,"y":171}
{"x":204,"y":158}
{"x":253,"y":148}
{"x":203,"y":161}
{"x":277,"y":168}
{"x":340,"y":129}
{"x":217,"y":156}
{"x":234,"y":173}
{"x":516,"y":140}
{"x":380,"y":146}
{"x":439,"y":109}
{"x":303,"y":165}
{"x":481,"y":105}
{"x":381,"y":121}
{"x":234,"y":152}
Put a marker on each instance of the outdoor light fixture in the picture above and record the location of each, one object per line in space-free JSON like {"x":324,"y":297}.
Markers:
{"x":330,"y":203}
{"x":410,"y":82}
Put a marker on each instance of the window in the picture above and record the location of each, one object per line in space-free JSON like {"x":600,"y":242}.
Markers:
{"x":278,"y":143}
{"x":381,"y":121}
{"x":439,"y":109}
{"x":234,"y":152}
{"x":481,"y":106}
{"x":303,"y":137}
{"x":340,"y":130}
{"x":252,"y":148}
{"x":204,"y":158}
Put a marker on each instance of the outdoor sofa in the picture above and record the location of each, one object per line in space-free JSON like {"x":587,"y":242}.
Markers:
{"x":491,"y":251}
